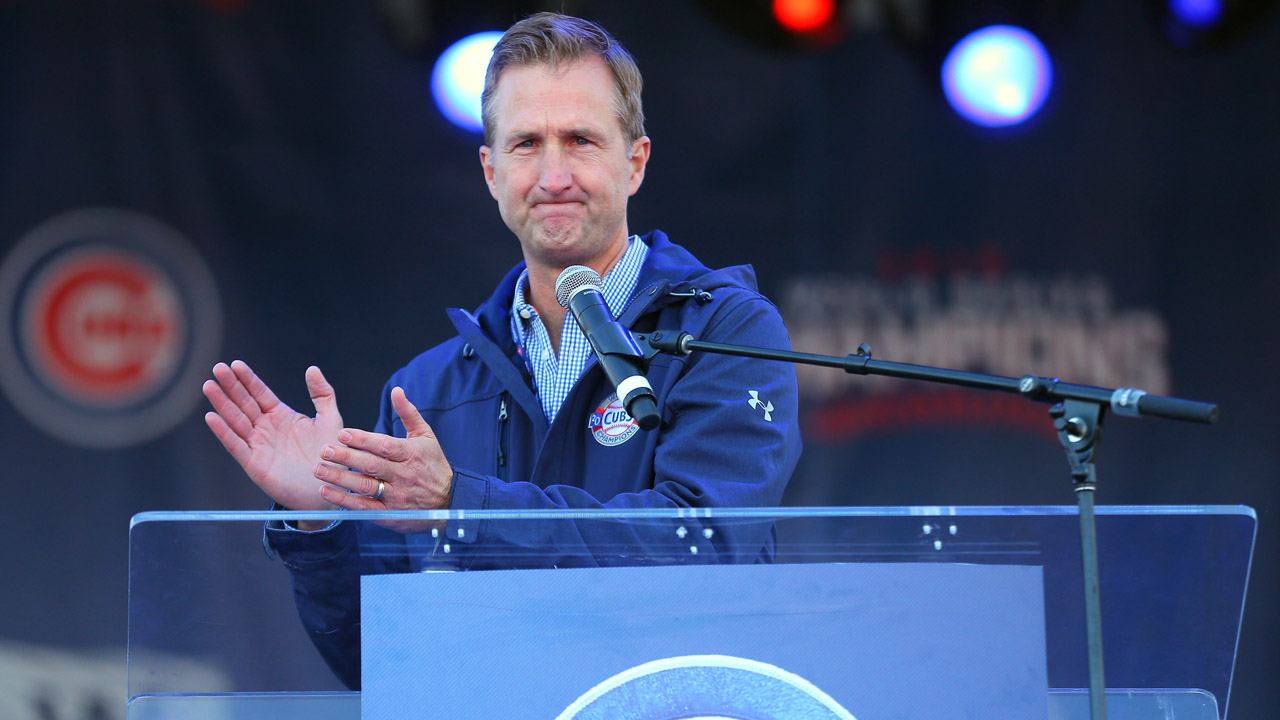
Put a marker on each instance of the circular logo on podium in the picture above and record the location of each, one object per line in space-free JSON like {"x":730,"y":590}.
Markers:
{"x":108,"y":319}
{"x":705,"y":687}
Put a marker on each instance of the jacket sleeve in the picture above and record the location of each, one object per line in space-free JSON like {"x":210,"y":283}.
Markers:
{"x":729,"y":438}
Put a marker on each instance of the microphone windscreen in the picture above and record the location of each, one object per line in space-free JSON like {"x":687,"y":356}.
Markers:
{"x":574,"y":277}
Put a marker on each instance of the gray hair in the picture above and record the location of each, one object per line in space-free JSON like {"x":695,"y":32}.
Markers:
{"x":552,"y":39}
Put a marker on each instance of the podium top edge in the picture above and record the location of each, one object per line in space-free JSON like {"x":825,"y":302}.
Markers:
{"x":767,"y":513}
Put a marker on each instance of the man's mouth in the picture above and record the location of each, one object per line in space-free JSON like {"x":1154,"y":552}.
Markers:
{"x":556,"y":207}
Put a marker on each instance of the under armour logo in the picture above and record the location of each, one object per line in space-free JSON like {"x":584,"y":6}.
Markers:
{"x":757,"y":404}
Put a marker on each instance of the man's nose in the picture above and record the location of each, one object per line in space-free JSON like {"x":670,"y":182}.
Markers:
{"x":556,"y":174}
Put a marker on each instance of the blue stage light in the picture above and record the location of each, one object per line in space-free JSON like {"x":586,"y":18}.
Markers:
{"x":1200,"y":14}
{"x":457,"y":80}
{"x":997,"y":76}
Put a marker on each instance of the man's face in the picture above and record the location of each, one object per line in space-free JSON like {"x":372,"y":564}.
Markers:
{"x":560,"y":167}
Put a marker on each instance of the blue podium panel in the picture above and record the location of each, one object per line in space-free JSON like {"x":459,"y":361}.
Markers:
{"x":867,"y":640}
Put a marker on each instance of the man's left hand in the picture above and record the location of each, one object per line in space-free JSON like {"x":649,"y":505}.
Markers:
{"x":411,"y":472}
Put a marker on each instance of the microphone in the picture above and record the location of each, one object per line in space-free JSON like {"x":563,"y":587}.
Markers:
{"x":578,"y":291}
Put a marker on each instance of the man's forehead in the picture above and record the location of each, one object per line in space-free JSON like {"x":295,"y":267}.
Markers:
{"x":589,"y":74}
{"x":557,"y":68}
{"x":578,"y":92}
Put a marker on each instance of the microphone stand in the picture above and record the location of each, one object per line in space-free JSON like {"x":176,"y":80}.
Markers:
{"x":1077,"y":412}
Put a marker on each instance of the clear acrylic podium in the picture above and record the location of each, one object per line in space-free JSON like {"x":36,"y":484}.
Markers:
{"x":214,"y":632}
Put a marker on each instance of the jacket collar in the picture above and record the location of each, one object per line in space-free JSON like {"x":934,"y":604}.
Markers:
{"x":668,"y":269}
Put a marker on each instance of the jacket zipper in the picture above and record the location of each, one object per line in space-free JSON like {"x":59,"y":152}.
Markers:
{"x":502,"y":431}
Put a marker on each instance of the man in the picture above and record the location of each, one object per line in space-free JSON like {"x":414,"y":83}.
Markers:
{"x":514,"y":413}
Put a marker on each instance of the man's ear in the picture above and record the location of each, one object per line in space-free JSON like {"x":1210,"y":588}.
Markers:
{"x":486,"y":164}
{"x":639,"y":158}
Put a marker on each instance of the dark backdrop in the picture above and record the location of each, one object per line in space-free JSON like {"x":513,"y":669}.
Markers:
{"x":295,"y":147}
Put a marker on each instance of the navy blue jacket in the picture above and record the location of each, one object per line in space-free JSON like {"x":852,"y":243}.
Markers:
{"x":729,"y":437}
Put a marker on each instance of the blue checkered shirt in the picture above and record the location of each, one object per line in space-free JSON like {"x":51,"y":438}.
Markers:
{"x":554,"y":377}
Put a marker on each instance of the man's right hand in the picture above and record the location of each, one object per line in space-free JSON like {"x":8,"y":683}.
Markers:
{"x":277,"y":447}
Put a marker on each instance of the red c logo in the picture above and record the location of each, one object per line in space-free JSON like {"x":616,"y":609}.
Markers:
{"x":107,"y":325}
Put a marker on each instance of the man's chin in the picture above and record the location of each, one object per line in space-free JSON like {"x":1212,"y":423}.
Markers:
{"x":560,"y":246}
{"x":559,"y":230}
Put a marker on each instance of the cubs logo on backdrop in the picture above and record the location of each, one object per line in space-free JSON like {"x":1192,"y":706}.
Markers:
{"x":108,"y":320}
{"x":610,"y":424}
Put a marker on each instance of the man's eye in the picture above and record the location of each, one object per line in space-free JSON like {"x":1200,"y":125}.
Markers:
{"x":581,"y":140}
{"x":525,"y":144}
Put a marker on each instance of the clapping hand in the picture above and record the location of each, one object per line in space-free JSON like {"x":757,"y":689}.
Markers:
{"x":277,"y":446}
{"x":372,"y":471}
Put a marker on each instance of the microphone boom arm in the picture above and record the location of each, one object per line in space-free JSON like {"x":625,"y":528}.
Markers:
{"x":1123,"y":401}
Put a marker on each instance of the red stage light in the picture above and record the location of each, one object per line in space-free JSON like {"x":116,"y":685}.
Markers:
{"x":804,"y":16}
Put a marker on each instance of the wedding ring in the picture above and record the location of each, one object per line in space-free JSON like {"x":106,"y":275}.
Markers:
{"x":382,"y":485}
